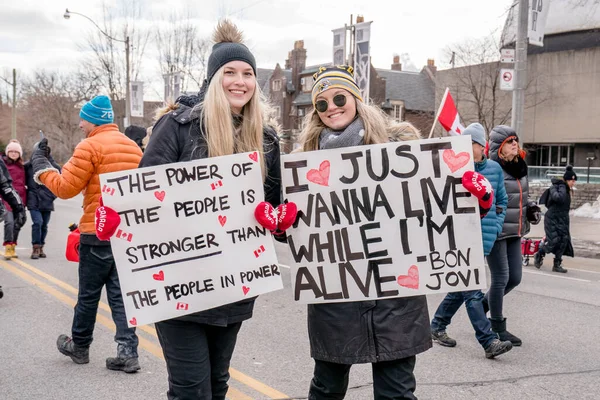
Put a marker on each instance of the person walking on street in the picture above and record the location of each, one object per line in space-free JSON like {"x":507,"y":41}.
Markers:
{"x":104,"y":150}
{"x":505,"y":257}
{"x":226,"y":117}
{"x":14,"y":164}
{"x":40,"y":203}
{"x":491,"y":226}
{"x":556,"y":222}
{"x":386,"y":333}
{"x":10,"y":196}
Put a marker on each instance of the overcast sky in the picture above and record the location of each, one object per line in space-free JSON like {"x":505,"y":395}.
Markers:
{"x":34,"y":34}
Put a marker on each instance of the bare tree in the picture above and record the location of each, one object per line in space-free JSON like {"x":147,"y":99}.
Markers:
{"x":51,"y":102}
{"x":181,"y":49}
{"x":475,"y":83}
{"x":108,"y":61}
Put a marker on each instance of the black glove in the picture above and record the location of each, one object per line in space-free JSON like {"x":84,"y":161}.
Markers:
{"x":534,"y":213}
{"x":20,"y":217}
{"x":43,"y":146}
{"x":39,"y":157}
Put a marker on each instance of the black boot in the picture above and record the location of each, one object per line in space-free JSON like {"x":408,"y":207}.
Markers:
{"x":1,"y":292}
{"x":538,"y":259}
{"x":500,"y":328}
{"x":557,"y":267}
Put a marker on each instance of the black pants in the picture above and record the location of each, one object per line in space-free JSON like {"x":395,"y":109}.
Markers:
{"x":97,"y":269}
{"x":392,"y":380}
{"x":198,"y":357}
{"x":11,"y":231}
{"x":506,"y":270}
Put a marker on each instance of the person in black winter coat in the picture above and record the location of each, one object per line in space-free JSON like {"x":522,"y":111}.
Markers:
{"x":387,"y":333}
{"x":556,"y":222}
{"x":40,"y":202}
{"x":225,"y":118}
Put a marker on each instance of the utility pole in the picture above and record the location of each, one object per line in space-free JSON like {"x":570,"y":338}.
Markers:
{"x":351,"y":52}
{"x":13,"y":127}
{"x":518,"y":103}
{"x":127,"y":86}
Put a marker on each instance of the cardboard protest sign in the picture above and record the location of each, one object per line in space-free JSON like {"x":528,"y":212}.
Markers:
{"x":382,"y":221}
{"x":188,"y":240}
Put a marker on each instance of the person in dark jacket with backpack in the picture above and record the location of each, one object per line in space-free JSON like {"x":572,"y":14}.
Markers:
{"x":556,"y":222}
{"x":505,"y":258}
{"x":226,"y":117}
{"x":40,"y":202}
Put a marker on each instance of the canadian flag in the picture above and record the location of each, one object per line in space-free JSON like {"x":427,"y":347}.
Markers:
{"x":448,"y":115}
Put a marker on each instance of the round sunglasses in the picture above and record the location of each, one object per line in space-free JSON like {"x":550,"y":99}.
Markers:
{"x":322,"y":105}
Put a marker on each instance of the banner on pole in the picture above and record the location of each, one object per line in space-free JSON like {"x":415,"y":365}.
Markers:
{"x":362,"y":57}
{"x":137,"y":99}
{"x":538,"y":14}
{"x":339,"y":46}
{"x":383,"y":221}
{"x":188,"y":239}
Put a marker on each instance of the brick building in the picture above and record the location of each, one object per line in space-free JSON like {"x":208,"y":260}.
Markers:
{"x":404,"y":95}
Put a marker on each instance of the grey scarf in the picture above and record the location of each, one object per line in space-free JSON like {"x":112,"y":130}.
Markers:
{"x":353,"y":135}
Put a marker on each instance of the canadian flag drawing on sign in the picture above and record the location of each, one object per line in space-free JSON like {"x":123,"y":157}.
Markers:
{"x":448,"y":115}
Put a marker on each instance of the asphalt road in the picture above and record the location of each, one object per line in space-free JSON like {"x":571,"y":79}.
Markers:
{"x":557,"y":317}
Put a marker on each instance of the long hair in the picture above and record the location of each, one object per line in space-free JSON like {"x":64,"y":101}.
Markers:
{"x":379,"y":128}
{"x":221,"y":135}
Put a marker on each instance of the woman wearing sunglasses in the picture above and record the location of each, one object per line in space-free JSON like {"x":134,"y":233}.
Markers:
{"x":386,"y":333}
{"x":505,"y":258}
{"x":227,"y":117}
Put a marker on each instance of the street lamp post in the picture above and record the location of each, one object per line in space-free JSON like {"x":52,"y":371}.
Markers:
{"x":67,"y":15}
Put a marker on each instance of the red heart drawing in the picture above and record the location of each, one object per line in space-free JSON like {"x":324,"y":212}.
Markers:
{"x":320,"y":176}
{"x":222,"y":220}
{"x":133,"y":321}
{"x":245,"y":289}
{"x":411,"y":280}
{"x":253,"y":156}
{"x":160,"y":195}
{"x":159,"y":277}
{"x":455,"y":161}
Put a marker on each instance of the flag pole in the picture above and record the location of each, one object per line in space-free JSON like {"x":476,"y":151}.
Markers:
{"x":438,"y":112}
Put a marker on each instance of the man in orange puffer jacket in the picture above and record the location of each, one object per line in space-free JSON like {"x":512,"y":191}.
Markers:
{"x":104,"y":150}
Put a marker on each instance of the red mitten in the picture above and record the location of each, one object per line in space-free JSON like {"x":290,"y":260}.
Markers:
{"x":481,"y":188}
{"x":107,"y":221}
{"x":266,"y":215}
{"x":286,"y":215}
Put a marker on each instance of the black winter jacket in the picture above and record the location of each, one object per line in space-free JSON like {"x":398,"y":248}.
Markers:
{"x":556,"y":220}
{"x":176,"y":137}
{"x":39,"y":197}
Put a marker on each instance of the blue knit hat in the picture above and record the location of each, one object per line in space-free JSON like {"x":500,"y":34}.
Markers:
{"x":98,"y":111}
{"x":477,"y":133}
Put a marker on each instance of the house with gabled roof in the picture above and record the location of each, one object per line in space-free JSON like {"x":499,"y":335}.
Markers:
{"x":404,"y":95}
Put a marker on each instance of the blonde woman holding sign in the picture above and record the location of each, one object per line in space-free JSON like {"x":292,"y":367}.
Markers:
{"x":386,"y":333}
{"x":226,"y":117}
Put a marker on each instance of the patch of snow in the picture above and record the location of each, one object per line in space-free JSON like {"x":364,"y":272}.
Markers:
{"x":589,"y":210}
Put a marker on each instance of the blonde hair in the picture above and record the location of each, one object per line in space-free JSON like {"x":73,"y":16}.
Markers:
{"x":379,"y":128}
{"x":221,"y":135}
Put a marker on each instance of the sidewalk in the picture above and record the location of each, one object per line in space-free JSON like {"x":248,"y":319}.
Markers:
{"x":585,"y":234}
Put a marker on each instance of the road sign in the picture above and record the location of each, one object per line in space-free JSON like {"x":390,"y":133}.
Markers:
{"x":507,"y":55}
{"x":507,"y":79}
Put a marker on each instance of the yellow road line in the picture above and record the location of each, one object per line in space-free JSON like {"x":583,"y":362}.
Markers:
{"x":145,"y":344}
{"x":148,"y":329}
